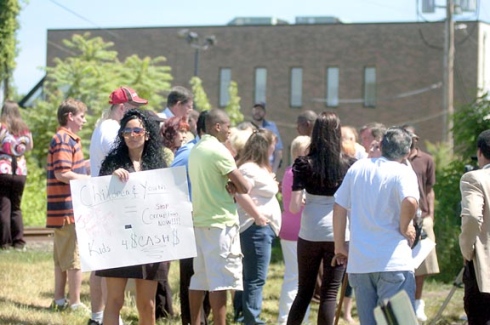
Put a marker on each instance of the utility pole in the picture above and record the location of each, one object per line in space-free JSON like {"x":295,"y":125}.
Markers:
{"x":448,"y":87}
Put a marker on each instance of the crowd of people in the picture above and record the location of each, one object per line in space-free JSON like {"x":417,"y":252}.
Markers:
{"x":350,"y":209}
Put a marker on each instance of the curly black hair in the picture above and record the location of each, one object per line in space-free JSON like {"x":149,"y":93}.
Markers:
{"x":152,"y":157}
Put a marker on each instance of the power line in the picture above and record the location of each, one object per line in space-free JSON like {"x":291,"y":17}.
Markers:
{"x":409,"y":93}
{"x":86,"y":19}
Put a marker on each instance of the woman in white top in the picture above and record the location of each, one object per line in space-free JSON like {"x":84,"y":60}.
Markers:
{"x":260,"y":222}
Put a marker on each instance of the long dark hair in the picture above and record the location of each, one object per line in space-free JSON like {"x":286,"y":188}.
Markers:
{"x":326,"y":158}
{"x":152,"y":157}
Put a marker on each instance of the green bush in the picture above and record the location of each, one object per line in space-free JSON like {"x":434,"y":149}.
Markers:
{"x":34,"y":198}
{"x":469,"y":121}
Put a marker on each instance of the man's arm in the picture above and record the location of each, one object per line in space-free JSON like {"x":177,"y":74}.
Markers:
{"x":339,"y":225}
{"x":472,"y":203}
{"x":277,"y":160}
{"x":67,"y":176}
{"x":239,"y":182}
{"x":431,"y":197}
{"x":407,"y":212}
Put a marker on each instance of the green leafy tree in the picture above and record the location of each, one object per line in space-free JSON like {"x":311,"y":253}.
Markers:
{"x":9,"y":10}
{"x":469,"y":121}
{"x":90,"y":74}
{"x":233,"y":107}
{"x":201,"y":101}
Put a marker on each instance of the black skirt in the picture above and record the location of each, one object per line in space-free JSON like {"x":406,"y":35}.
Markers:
{"x":153,"y":271}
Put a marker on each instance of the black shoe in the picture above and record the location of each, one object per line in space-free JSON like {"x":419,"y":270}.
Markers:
{"x":93,"y":322}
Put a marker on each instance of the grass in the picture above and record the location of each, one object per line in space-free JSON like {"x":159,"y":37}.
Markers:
{"x":27,"y":287}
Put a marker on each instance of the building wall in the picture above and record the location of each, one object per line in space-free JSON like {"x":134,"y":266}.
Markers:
{"x":407,"y":56}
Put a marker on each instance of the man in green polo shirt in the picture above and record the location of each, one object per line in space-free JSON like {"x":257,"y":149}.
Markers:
{"x":215,"y":178}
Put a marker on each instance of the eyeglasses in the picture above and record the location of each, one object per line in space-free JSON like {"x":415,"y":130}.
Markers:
{"x":136,"y":132}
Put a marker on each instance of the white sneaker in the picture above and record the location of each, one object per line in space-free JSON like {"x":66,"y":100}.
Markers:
{"x":419,"y":310}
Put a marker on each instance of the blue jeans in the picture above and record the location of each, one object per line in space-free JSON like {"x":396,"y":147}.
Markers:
{"x":372,"y":288}
{"x":256,"y":245}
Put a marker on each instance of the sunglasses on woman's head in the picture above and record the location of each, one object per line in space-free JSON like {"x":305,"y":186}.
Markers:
{"x":136,"y":132}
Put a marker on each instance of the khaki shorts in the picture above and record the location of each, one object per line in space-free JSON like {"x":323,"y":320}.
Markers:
{"x":429,"y":265}
{"x":65,"y":248}
{"x":218,"y":264}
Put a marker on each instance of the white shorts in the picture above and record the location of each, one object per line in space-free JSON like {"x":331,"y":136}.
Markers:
{"x":218,"y":264}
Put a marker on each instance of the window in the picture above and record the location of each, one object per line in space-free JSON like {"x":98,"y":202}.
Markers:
{"x":369,"y":87}
{"x":296,"y":99}
{"x":260,"y":85}
{"x":332,"y":99}
{"x":224,"y":84}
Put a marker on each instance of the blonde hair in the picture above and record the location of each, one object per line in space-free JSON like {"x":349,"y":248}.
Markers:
{"x":349,"y":133}
{"x":299,"y":146}
{"x":348,"y":147}
{"x":238,"y":138}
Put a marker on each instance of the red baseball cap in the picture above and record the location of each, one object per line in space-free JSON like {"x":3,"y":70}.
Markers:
{"x":126,"y":95}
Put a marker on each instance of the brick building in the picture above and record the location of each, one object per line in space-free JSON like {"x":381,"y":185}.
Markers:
{"x":386,"y":72}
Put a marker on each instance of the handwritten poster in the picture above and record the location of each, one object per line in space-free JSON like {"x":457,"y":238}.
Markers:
{"x":144,"y":220}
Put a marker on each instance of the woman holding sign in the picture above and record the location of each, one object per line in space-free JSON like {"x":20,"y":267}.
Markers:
{"x":137,"y":148}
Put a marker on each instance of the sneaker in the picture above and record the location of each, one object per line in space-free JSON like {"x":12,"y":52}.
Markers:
{"x":20,"y":248}
{"x":419,"y":310}
{"x":80,"y":308}
{"x":55,"y":307}
{"x":93,"y":322}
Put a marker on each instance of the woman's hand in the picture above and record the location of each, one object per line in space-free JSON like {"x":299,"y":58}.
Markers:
{"x":261,"y":221}
{"x":122,"y":174}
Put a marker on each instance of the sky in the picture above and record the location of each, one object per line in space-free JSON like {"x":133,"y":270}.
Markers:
{"x":37,"y":16}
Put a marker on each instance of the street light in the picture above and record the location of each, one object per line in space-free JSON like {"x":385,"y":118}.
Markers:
{"x":195,"y":41}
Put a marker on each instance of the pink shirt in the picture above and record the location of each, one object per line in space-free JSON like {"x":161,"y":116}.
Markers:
{"x":290,"y":221}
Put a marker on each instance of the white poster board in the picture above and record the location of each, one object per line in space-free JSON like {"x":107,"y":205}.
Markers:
{"x":421,"y":251}
{"x":145,"y":220}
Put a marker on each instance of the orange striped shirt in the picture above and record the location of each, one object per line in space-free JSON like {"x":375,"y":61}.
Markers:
{"x":65,"y":153}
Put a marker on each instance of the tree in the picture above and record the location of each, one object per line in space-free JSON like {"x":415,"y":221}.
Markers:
{"x":9,"y":10}
{"x":201,"y":101}
{"x":233,"y":107}
{"x":469,"y":121}
{"x":90,"y":75}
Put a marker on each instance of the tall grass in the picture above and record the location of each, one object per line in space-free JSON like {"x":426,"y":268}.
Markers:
{"x":27,"y":281}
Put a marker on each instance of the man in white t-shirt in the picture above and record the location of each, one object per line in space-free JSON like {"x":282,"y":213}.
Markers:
{"x":381,"y":195}
{"x":122,"y":99}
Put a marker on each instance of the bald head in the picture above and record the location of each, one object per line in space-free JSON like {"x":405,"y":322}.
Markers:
{"x":218,"y":124}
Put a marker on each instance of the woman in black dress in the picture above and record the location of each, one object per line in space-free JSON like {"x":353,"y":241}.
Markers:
{"x":137,"y":148}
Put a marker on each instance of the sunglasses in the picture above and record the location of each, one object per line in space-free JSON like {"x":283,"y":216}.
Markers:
{"x":135,"y":132}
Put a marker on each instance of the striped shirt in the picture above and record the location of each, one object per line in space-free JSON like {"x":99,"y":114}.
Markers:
{"x":65,"y":154}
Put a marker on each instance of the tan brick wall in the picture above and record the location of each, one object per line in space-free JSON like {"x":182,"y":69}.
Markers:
{"x":407,"y":57}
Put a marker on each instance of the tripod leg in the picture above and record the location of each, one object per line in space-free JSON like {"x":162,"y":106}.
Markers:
{"x":456,"y":284}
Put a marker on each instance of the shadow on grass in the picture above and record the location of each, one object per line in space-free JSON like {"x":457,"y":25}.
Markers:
{"x":24,"y":306}
{"x":17,"y":321}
